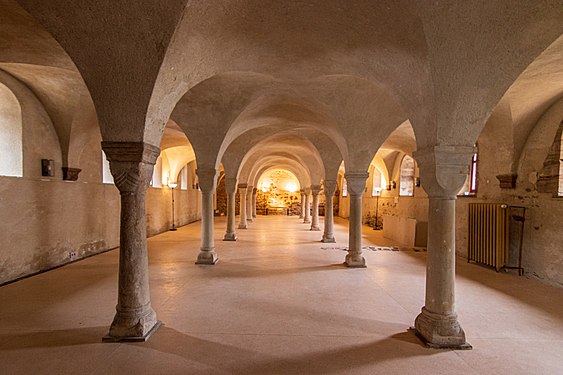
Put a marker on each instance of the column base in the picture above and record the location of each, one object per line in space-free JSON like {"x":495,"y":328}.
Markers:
{"x":133,"y":325}
{"x":306,"y":221}
{"x":440,"y":331}
{"x":242,"y":226}
{"x":230,"y":237}
{"x":328,"y":239}
{"x":315,"y":228}
{"x":355,"y":261}
{"x":254,"y":216}
{"x":208,"y":257}
{"x":250,"y":220}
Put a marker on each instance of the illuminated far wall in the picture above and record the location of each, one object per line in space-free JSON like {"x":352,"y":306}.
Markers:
{"x":277,"y":188}
{"x":11,"y":162}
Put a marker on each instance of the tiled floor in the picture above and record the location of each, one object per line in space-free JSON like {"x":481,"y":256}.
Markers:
{"x":277,"y":303}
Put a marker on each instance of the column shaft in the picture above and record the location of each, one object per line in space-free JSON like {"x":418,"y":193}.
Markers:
{"x":302,"y":213}
{"x":356,"y":185}
{"x":328,"y":234}
{"x":315,"y":219}
{"x":131,"y":165}
{"x":307,"y":213}
{"x":254,"y":191}
{"x":249,"y":217}
{"x":242,"y":191}
{"x":207,"y":180}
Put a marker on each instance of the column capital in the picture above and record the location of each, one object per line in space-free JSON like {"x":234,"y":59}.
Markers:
{"x":356,"y":181}
{"x":307,"y":191}
{"x":443,"y":169}
{"x":315,"y":189}
{"x":242,"y":186}
{"x":231,"y":184}
{"x":254,"y":190}
{"x":207,"y":179}
{"x":302,"y":191}
{"x":329,"y":187}
{"x":131,"y":164}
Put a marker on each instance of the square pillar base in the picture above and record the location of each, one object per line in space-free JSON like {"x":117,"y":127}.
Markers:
{"x":143,"y":338}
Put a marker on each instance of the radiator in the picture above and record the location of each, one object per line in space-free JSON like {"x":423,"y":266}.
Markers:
{"x":488,"y":234}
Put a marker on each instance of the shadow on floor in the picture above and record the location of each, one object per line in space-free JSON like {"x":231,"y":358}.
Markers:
{"x":51,"y":339}
{"x":234,"y":359}
{"x":238,"y":270}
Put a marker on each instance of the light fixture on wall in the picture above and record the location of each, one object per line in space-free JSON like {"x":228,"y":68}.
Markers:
{"x":172,"y":185}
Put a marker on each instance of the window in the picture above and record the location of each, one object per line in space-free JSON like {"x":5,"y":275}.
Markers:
{"x":344,"y":187}
{"x":406,"y":187}
{"x":470,"y":186}
{"x":11,"y":163}
{"x":184,"y":178}
{"x":378,"y":182}
{"x":156,"y":180}
{"x":560,"y":190}
{"x":107,"y":177}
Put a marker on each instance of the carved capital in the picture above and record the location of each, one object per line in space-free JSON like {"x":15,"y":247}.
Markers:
{"x":231,"y":184}
{"x":254,"y":191}
{"x":443,"y":169}
{"x":131,"y":164}
{"x":207,"y":178}
{"x":307,"y":191}
{"x":356,"y":182}
{"x":315,"y":189}
{"x":329,"y":187}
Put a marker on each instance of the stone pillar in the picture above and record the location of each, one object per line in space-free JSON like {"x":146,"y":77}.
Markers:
{"x":315,"y":190}
{"x":302,"y":213}
{"x":207,"y":181}
{"x":231,"y":188}
{"x":307,"y":213}
{"x":443,"y":170}
{"x":249,"y":217}
{"x":329,"y":189}
{"x":254,"y":191}
{"x":242,"y":191}
{"x":132,"y":165}
{"x":356,"y":185}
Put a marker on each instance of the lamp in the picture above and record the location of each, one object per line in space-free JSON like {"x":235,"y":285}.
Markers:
{"x":377,"y":194}
{"x":172,"y":185}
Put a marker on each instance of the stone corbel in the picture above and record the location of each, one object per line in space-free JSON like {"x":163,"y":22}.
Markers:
{"x":507,"y":181}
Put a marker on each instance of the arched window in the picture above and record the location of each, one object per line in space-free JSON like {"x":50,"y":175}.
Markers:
{"x":156,"y":181}
{"x":344,"y":187}
{"x":407,"y":177}
{"x":107,"y":177}
{"x":184,"y":178}
{"x":470,"y":186}
{"x":11,"y":162}
{"x":560,"y":190}
{"x":378,"y":182}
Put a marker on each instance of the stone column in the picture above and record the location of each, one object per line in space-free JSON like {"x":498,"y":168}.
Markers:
{"x":307,"y":213}
{"x":207,"y":182}
{"x":132,"y":165}
{"x":242,"y":191}
{"x":302,"y":213}
{"x":249,"y":217}
{"x":443,"y":170}
{"x":315,"y":190}
{"x":231,"y":187}
{"x":254,"y":191}
{"x":356,"y":185}
{"x":329,"y":189}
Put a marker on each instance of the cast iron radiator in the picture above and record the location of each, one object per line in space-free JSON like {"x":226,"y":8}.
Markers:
{"x":488,"y":234}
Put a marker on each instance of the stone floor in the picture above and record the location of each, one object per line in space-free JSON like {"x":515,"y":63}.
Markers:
{"x":276,"y":303}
